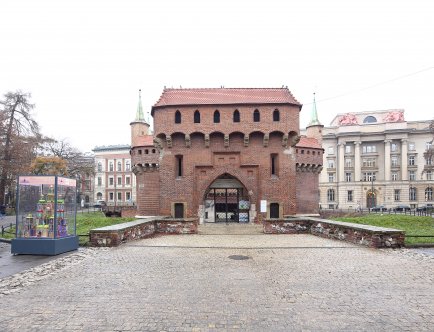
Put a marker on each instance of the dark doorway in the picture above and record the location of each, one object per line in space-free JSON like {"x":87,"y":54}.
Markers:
{"x":371,"y":199}
{"x":274,"y":210}
{"x":179,"y":210}
{"x":230,"y":204}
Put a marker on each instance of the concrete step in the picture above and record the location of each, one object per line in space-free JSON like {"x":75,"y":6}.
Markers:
{"x":230,"y":229}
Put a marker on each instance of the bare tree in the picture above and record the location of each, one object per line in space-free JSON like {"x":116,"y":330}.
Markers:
{"x":19,"y":135}
{"x":77,"y":163}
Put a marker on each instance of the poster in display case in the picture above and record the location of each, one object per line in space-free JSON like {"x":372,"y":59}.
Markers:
{"x":45,"y":215}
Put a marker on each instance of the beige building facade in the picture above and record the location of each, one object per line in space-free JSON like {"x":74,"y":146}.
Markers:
{"x":376,"y":158}
{"x":114,"y":183}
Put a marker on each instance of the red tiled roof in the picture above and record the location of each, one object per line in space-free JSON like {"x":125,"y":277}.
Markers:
{"x":225,"y":96}
{"x":308,"y":142}
{"x":145,"y":140}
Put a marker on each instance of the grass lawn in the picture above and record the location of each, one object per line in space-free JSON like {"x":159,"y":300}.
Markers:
{"x":85,"y":222}
{"x":412,"y":225}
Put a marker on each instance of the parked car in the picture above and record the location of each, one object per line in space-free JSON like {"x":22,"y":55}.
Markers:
{"x":100,"y":204}
{"x":379,"y":208}
{"x":424,"y":208}
{"x":402,"y":208}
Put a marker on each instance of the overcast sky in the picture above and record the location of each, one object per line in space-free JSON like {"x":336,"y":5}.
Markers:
{"x":85,"y":60}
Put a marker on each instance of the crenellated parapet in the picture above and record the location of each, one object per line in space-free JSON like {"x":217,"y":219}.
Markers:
{"x":309,"y":168}
{"x":139,"y":169}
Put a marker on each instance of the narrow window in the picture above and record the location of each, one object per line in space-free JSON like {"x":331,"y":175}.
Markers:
{"x":111,"y":196}
{"x":127,"y":196}
{"x":256,"y":116}
{"x":177,"y":117}
{"x":274,"y":210}
{"x":146,"y":151}
{"x":236,"y":116}
{"x":119,"y":181}
{"x":111,"y":166}
{"x":330,"y":195}
{"x":276,"y":115}
{"x":119,"y":196}
{"x":216,"y":117}
{"x":274,"y":164}
{"x":350,"y":195}
{"x":119,"y":166}
{"x":196,"y":117}
{"x":179,"y":167}
{"x":99,"y":167}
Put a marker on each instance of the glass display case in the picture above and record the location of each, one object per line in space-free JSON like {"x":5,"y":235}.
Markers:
{"x":45,"y":215}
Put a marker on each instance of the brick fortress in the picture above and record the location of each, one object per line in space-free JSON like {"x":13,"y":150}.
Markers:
{"x":216,"y":154}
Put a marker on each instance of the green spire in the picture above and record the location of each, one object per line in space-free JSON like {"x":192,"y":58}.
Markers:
{"x":314,"y":115}
{"x":139,"y":113}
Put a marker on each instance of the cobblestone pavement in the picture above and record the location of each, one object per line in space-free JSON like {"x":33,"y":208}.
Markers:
{"x":190,"y":283}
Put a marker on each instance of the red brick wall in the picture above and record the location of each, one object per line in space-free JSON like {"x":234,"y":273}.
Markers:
{"x":202,"y":164}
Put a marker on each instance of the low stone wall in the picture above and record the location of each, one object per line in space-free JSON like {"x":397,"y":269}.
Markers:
{"x":286,"y":226}
{"x":112,"y":236}
{"x":370,"y":236}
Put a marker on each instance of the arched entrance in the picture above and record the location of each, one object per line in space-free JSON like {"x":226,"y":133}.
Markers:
{"x":226,"y":200}
{"x":371,"y":199}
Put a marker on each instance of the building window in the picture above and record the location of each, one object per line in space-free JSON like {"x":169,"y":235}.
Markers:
{"x":393,"y":147}
{"x":397,"y":195}
{"x":331,"y":195}
{"x":196,"y":116}
{"x":429,"y":160}
{"x":99,"y":196}
{"x":274,"y":164}
{"x":127,"y":196}
{"x":127,"y":181}
{"x":412,"y":194}
{"x":370,"y":119}
{"x":119,"y":196}
{"x":369,"y":149}
{"x":350,"y":195}
{"x":276,"y":115}
{"x":428,"y":194}
{"x":369,"y":176}
{"x":412,"y":175}
{"x":110,"y":181}
{"x":348,"y":162}
{"x":179,"y":166}
{"x":146,"y":151}
{"x":347,"y":148}
{"x":236,"y":116}
{"x":119,"y":181}
{"x":394,"y":176}
{"x":330,"y":150}
{"x":119,"y":166}
{"x":369,"y":162}
{"x":331,"y":163}
{"x":274,"y":210}
{"x":111,"y":196}
{"x":216,"y":117}
{"x":348,"y":177}
{"x":394,"y":160}
{"x":428,"y":145}
{"x":411,"y":160}
{"x":111,"y":166}
{"x":140,"y":151}
{"x":428,"y":175}
{"x":99,"y":181}
{"x":256,"y":116}
{"x":127,"y":166}
{"x":331,"y":177}
{"x":99,"y":167}
{"x":177,"y":117}
{"x":411,"y":147}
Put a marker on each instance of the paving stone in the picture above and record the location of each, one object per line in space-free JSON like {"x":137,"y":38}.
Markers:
{"x":189,"y":283}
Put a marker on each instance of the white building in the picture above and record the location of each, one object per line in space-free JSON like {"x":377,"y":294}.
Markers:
{"x":376,"y":158}
{"x":114,"y":182}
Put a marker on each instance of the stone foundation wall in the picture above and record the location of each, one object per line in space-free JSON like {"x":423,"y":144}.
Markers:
{"x":112,"y":236}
